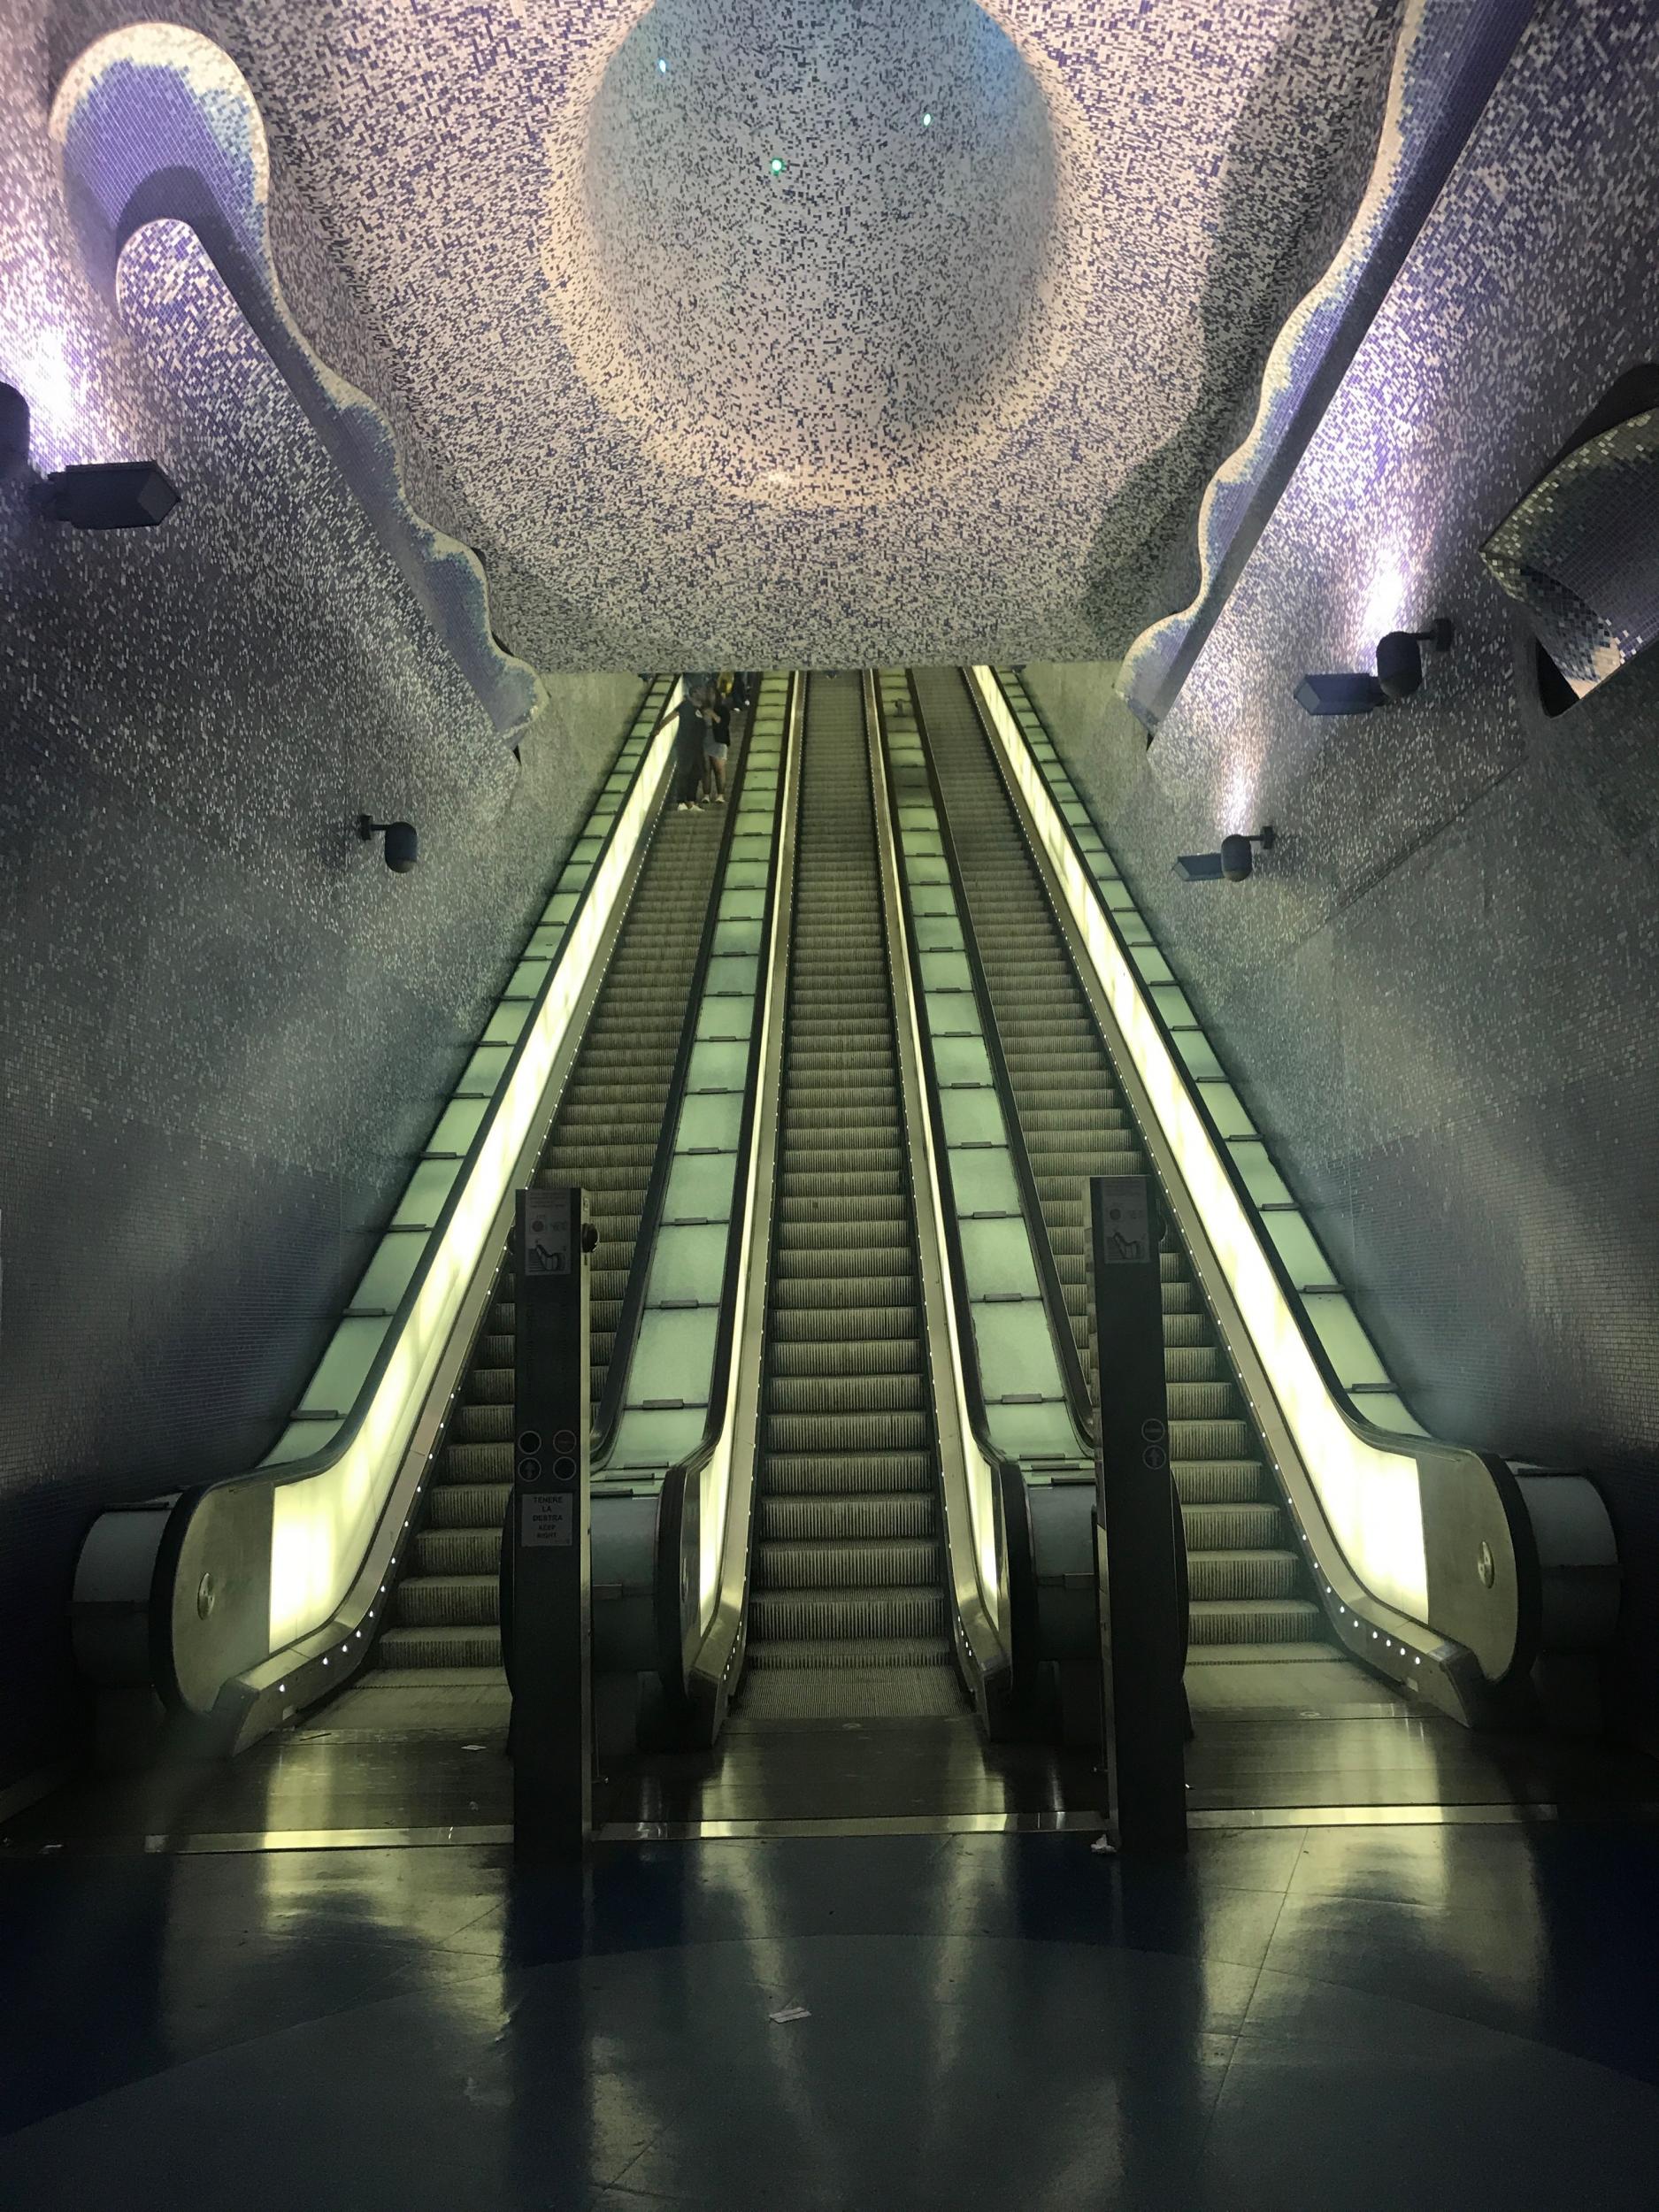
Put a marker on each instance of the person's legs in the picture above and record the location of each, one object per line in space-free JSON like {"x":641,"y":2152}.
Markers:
{"x":688,"y":775}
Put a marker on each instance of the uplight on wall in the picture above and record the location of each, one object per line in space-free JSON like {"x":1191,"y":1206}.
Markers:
{"x":1398,"y":675}
{"x":1233,"y":864}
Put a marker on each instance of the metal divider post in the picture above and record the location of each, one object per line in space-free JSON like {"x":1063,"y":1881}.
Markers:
{"x":551,"y":1628}
{"x":1142,"y":1640}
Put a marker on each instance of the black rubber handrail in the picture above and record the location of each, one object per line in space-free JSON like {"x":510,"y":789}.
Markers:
{"x":317,"y":1463}
{"x":622,"y":1345}
{"x":1078,"y":1402}
{"x":1427,"y":1451}
{"x":670,"y":1507}
{"x":1019,"y":1556}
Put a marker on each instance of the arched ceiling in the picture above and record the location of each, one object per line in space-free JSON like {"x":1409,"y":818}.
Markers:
{"x":807,"y":331}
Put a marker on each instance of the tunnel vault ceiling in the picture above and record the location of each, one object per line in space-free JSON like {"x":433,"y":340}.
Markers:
{"x":815,"y":332}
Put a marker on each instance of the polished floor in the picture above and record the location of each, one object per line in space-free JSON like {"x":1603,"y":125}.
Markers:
{"x":1356,"y":2016}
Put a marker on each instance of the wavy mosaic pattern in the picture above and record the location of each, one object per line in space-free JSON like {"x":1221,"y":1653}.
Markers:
{"x":693,"y":413}
{"x":155,"y":122}
{"x":1450,"y":58}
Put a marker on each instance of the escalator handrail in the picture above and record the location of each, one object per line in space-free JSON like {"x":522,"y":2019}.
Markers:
{"x":1060,"y":1329}
{"x":345,"y":1435}
{"x":176,"y":1513}
{"x":1020,"y":1633}
{"x":1430,"y":1454}
{"x":674,"y":1660}
{"x":608,"y":1412}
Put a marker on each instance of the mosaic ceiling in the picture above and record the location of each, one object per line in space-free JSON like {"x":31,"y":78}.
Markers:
{"x":803,"y":331}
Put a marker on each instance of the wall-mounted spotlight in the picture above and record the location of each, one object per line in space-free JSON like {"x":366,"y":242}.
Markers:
{"x":14,"y":429}
{"x":109,"y":495}
{"x":1399,"y":673}
{"x":1233,"y":864}
{"x":403,"y":846}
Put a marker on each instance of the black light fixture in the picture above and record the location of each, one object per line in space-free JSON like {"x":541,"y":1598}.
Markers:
{"x":109,"y":495}
{"x":1399,"y":673}
{"x":403,"y":845}
{"x":1233,"y":864}
{"x":14,"y":429}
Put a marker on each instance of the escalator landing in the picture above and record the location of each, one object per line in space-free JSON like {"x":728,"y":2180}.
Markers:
{"x":928,"y":1773}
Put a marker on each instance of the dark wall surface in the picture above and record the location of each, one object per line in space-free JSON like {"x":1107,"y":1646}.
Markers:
{"x":1441,"y":991}
{"x":226,"y":1024}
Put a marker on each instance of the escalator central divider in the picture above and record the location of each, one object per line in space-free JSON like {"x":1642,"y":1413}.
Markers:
{"x":698,"y":1680}
{"x":609,"y":1407}
{"x":1047,"y":1274}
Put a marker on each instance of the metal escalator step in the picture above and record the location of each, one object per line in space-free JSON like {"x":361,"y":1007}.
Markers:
{"x":803,"y":1291}
{"x":1228,"y":1575}
{"x":1199,"y":1364}
{"x":459,"y":1551}
{"x":825,"y":1396}
{"x":848,"y":1352}
{"x":837,"y":1474}
{"x":1185,"y":1329}
{"x":1257,"y":1621}
{"x":1210,"y":1439}
{"x":481,"y":1424}
{"x":403,"y":1648}
{"x":846,"y":1520}
{"x":469,"y":1505}
{"x":851,"y":1432}
{"x":914,"y":1689}
{"x":864,"y":1615}
{"x":453,"y":1601}
{"x":823,"y":1231}
{"x":1202,"y":1401}
{"x":811,"y":1324}
{"x":909,"y":1651}
{"x":841,"y":1198}
{"x":476,"y":1462}
{"x":835,"y":1564}
{"x":1233,"y":1527}
{"x":488,"y":1386}
{"x":1201,"y":1482}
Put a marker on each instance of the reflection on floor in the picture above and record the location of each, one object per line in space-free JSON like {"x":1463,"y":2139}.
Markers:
{"x":1272,"y":1743}
{"x":1372,"y":2020}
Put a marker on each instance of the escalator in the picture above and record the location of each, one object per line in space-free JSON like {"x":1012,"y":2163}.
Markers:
{"x":849,"y":1614}
{"x":605,"y":1137}
{"x":1251,"y":1598}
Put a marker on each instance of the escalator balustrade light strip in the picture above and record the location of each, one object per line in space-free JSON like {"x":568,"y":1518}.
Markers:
{"x":922,"y":863}
{"x":734,"y":979}
{"x":1371,"y":1495}
{"x":322,"y":1522}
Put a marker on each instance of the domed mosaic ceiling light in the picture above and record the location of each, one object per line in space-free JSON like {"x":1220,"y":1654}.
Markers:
{"x":825,"y":252}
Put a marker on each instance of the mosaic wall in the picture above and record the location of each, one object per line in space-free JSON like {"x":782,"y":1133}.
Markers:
{"x":1442,"y":988}
{"x":766,"y":353}
{"x":225,"y":1022}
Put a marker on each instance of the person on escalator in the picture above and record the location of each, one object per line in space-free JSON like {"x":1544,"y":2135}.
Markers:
{"x":696,"y":715}
{"x":715,"y":739}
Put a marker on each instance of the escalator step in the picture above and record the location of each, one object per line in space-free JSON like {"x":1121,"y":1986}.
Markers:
{"x":846,"y":1350}
{"x":876,"y":1564}
{"x":436,"y":1600}
{"x":911,"y":1651}
{"x":833,"y":1396}
{"x":848,"y":1520}
{"x":1217,"y":1481}
{"x":1227,"y":1575}
{"x":459,"y":1551}
{"x":469,"y":1504}
{"x":1231,"y":1527}
{"x":850,"y":1614}
{"x":853,"y":1433}
{"x":846,"y":1473}
{"x":1268,"y":1621}
{"x":403,"y":1648}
